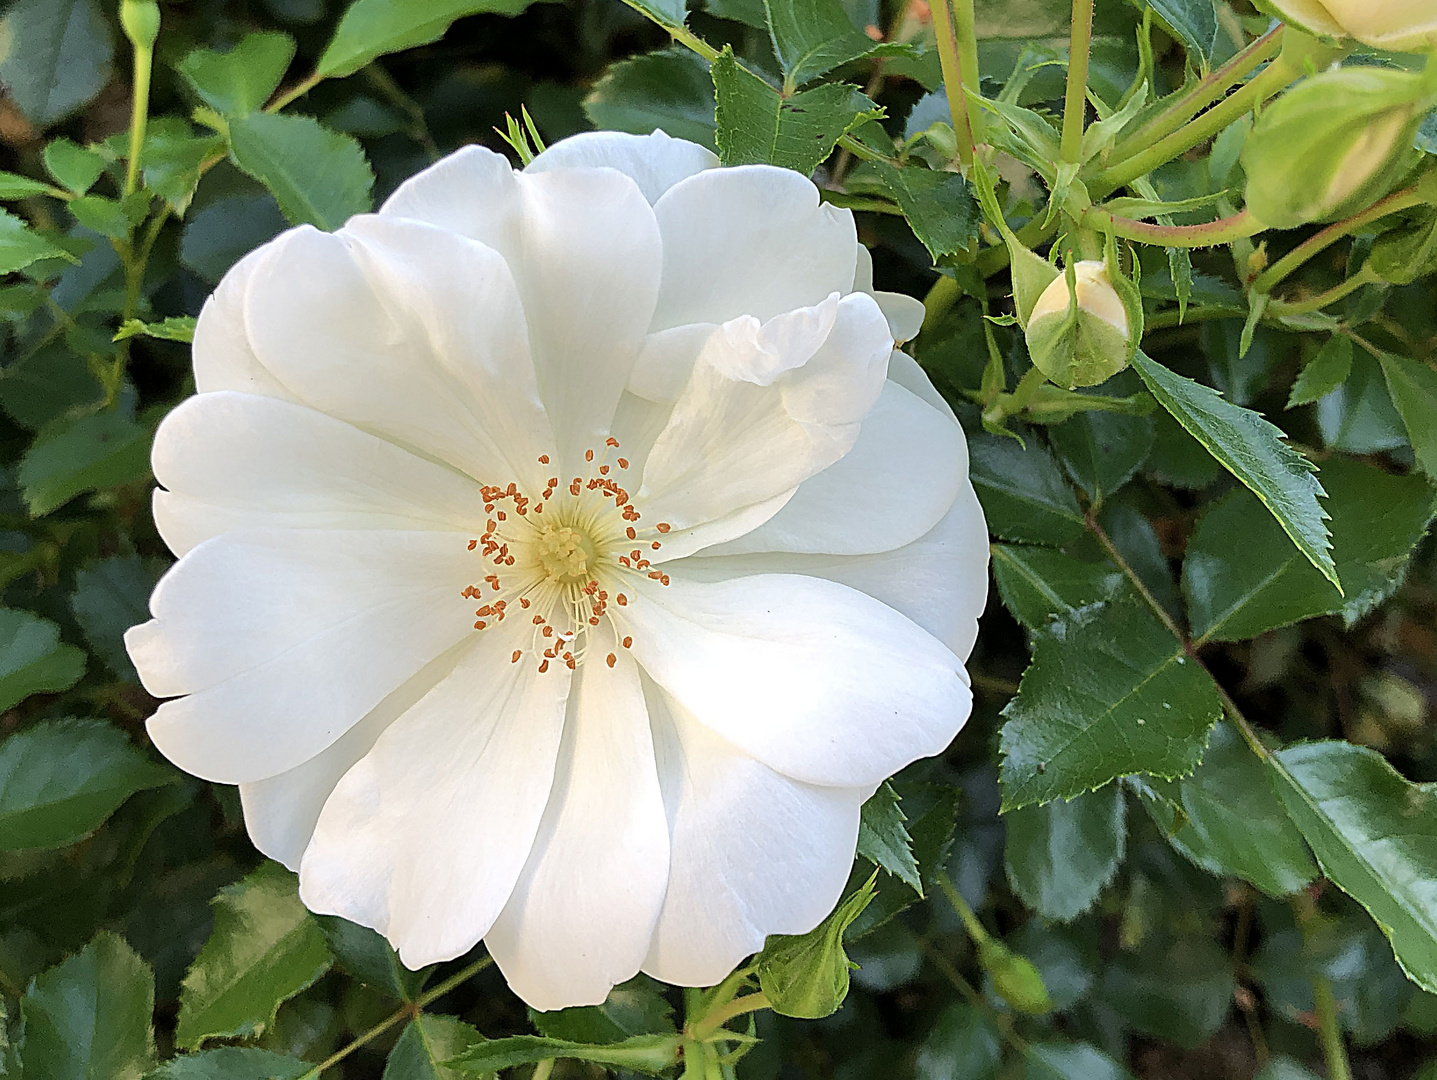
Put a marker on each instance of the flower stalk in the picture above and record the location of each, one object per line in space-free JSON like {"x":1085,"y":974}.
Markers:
{"x":1075,"y":101}
{"x":951,"y":61}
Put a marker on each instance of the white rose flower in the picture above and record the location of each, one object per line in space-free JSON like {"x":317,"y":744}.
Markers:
{"x":565,"y":556}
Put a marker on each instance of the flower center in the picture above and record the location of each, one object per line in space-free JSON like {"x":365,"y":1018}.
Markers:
{"x":564,"y":559}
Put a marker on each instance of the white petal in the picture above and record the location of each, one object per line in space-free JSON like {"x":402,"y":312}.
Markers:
{"x":903,"y":312}
{"x":753,"y":852}
{"x":656,"y":162}
{"x":223,"y":356}
{"x":940,"y":580}
{"x":473,"y":192}
{"x":814,"y":679}
{"x":905,"y":371}
{"x":240,"y":461}
{"x":767,"y":406}
{"x":666,"y":361}
{"x":750,"y":240}
{"x":896,"y":483}
{"x":285,"y":640}
{"x":408,"y":331}
{"x":425,"y":836}
{"x":581,"y":917}
{"x":280,"y":812}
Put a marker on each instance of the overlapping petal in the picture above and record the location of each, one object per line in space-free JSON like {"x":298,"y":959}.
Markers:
{"x":655,"y":162}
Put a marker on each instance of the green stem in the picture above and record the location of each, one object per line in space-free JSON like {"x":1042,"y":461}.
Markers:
{"x":1075,"y":102}
{"x":1184,"y":106}
{"x":1210,"y":124}
{"x":542,"y":1070}
{"x":1167,"y":320}
{"x":1329,"y":1029}
{"x":1365,"y":276}
{"x":720,"y":1016}
{"x":953,"y":81}
{"x":139,"y":114}
{"x":298,"y":90}
{"x":966,"y":31}
{"x":1210,"y":234}
{"x":1319,"y":242}
{"x":976,"y":929}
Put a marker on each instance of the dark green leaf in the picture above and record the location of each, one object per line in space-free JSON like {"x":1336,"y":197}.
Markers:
{"x":1039,"y":585}
{"x":1023,"y":492}
{"x":102,"y":450}
{"x":1062,"y":854}
{"x":32,"y":658}
{"x":15,"y":186}
{"x":1375,"y":835}
{"x":20,"y":245}
{"x":60,"y":780}
{"x":883,"y":837}
{"x":1413,"y":387}
{"x":1252,"y":450}
{"x":48,"y":383}
{"x":232,"y":1063}
{"x":669,"y":89}
{"x":1358,"y":416}
{"x":811,"y":37}
{"x":1181,"y":993}
{"x":1104,"y":697}
{"x":1179,"y":460}
{"x":635,"y":1008}
{"x":367,"y":956}
{"x":939,"y":206}
{"x":931,"y":810}
{"x":1324,"y":373}
{"x":264,"y":949}
{"x":1243,"y":578}
{"x":371,"y":28}
{"x":963,"y":1045}
{"x":104,"y":216}
{"x":649,"y":1054}
{"x":88,"y":1018}
{"x":221,"y":233}
{"x":663,"y":12}
{"x":428,"y":1042}
{"x":1195,"y":22}
{"x":317,"y":176}
{"x":57,"y":56}
{"x":1232,"y":823}
{"x":1102,"y":450}
{"x":237,"y":82}
{"x":806,"y":975}
{"x":75,"y":167}
{"x":1070,"y":1061}
{"x":756,"y":125}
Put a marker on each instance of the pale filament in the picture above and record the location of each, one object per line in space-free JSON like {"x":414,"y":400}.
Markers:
{"x":561,"y":560}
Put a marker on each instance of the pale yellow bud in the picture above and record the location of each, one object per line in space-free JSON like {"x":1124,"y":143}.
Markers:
{"x":1095,"y":293}
{"x":1398,"y":25}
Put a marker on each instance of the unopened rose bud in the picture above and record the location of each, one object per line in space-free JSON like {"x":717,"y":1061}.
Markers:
{"x":1333,"y":145}
{"x":1397,"y":25}
{"x":1085,"y":344}
{"x":141,"y":22}
{"x":1016,"y":979}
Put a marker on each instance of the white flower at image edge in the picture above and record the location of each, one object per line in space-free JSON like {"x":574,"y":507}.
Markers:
{"x":564,"y":557}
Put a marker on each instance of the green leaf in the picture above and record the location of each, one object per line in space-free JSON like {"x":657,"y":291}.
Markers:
{"x":1233,"y":824}
{"x":1324,"y":373}
{"x":1195,"y":22}
{"x":171,"y":328}
{"x":1243,"y":578}
{"x":15,"y":186}
{"x":367,"y":956}
{"x":649,"y":1054}
{"x":663,"y":12}
{"x":371,"y":28}
{"x":806,"y":975}
{"x":939,"y":206}
{"x":61,"y":779}
{"x":1023,"y":492}
{"x":636,"y":1007}
{"x":1375,"y":836}
{"x":1070,"y":1061}
{"x":1062,"y":854}
{"x":756,"y":125}
{"x":88,"y":1018}
{"x":264,"y":949}
{"x":1285,"y":1068}
{"x":883,"y":837}
{"x":237,"y":82}
{"x":111,"y":596}
{"x":32,"y":658}
{"x":1039,"y":585}
{"x":102,"y":450}
{"x":963,"y":1045}
{"x":104,"y":216}
{"x":1254,"y":451}
{"x":931,"y":810}
{"x":812,"y":37}
{"x":75,"y":167}
{"x":1182,"y":992}
{"x":1102,"y":451}
{"x":54,"y":56}
{"x":317,"y":176}
{"x":49,"y":382}
{"x":428,"y":1042}
{"x":20,"y":245}
{"x":173,"y":155}
{"x":1105,"y":696}
{"x":1413,"y":387}
{"x":232,"y":1063}
{"x":668,"y":89}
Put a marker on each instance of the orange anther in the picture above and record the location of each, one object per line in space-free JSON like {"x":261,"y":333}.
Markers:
{"x":623,"y":600}
{"x":515,"y":658}
{"x":480,"y":625}
{"x":473,"y":544}
{"x":543,"y":666}
{"x":629,"y":532}
{"x":623,"y":463}
{"x":611,"y":659}
{"x":655,"y":545}
{"x":628,"y":642}
{"x":611,"y":441}
{"x":543,"y":459}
